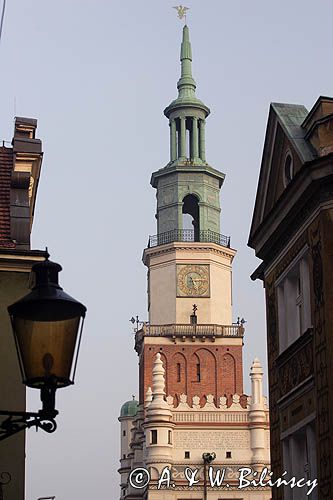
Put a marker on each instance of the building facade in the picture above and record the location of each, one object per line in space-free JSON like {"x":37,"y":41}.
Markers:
{"x":20,"y":167}
{"x":292,"y":233}
{"x":191,"y":397}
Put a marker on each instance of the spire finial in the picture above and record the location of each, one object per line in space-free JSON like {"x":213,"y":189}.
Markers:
{"x":186,"y":84}
{"x":181,"y":11}
{"x":186,"y":101}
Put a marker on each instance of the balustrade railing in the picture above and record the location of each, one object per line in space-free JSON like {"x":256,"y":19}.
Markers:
{"x":198,"y":330}
{"x":217,"y":415}
{"x":189,"y":235}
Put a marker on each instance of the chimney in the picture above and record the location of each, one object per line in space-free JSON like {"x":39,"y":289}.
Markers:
{"x":24,"y":139}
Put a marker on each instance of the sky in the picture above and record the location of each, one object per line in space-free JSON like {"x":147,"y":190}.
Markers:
{"x":97,"y":76}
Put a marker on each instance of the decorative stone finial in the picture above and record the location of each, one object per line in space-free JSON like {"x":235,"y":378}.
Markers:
{"x":149,"y":397}
{"x":257,"y":417}
{"x":256,"y":375}
{"x":158,"y":378}
{"x":158,"y":405}
{"x":256,"y":367}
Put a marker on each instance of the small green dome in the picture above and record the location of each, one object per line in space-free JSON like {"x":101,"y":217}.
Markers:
{"x":129,"y":409}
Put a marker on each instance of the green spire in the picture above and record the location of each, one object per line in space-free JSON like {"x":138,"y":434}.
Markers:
{"x":186,"y":84}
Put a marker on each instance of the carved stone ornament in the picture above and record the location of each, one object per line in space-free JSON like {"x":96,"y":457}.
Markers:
{"x":223,"y":403}
{"x":236,"y":399}
{"x":170,"y":401}
{"x":196,"y":403}
{"x":183,"y":405}
{"x":209,"y":402}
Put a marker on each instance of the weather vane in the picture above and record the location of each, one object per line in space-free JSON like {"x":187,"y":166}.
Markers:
{"x":181,"y":11}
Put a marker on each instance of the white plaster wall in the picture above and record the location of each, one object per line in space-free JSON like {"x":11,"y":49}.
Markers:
{"x":166,"y":307}
{"x":125,"y":425}
{"x":199,"y":441}
{"x":162,"y":286}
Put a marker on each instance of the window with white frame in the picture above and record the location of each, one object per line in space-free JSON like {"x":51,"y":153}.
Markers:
{"x":293,"y":294}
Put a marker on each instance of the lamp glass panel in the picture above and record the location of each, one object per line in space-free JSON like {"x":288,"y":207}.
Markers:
{"x":46,"y":349}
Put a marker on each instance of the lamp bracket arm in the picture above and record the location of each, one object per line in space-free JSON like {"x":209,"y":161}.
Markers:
{"x":17,"y":421}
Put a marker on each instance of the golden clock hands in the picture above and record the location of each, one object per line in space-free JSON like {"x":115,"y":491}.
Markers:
{"x":197,"y":281}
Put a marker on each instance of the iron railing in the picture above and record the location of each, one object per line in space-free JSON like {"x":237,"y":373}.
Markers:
{"x":189,"y":235}
{"x":189,"y":330}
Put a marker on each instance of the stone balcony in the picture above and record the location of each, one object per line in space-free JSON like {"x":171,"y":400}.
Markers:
{"x":187,"y":331}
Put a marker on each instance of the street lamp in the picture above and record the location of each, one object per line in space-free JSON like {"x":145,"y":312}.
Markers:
{"x":207,"y":459}
{"x":47,"y":325}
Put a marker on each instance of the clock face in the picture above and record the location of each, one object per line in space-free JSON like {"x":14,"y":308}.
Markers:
{"x":193,"y":280}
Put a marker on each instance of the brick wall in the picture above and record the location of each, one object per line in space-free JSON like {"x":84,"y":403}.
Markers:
{"x":220,"y":369}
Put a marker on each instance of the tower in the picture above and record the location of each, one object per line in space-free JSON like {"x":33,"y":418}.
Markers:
{"x":189,"y":262}
{"x":191,"y":397}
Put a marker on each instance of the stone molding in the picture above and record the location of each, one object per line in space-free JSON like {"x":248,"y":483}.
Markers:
{"x":167,"y":248}
{"x":210,"y":406}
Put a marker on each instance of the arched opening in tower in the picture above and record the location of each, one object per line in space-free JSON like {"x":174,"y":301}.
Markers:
{"x":191,"y":216}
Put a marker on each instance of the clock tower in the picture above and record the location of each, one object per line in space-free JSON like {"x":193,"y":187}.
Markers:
{"x":189,"y":262}
{"x":191,"y":397}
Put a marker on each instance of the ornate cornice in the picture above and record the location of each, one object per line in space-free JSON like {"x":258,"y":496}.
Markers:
{"x":289,"y":214}
{"x":190,"y":247}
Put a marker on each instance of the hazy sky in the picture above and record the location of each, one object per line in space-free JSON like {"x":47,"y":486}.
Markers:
{"x":97,"y":76}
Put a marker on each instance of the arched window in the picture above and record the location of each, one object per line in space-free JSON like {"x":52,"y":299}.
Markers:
{"x":191,"y":216}
{"x":288,"y":168}
{"x":195,"y":368}
{"x":229,"y":373}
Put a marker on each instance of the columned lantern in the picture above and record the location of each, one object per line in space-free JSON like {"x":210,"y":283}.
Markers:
{"x":188,"y":188}
{"x":47,"y":325}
